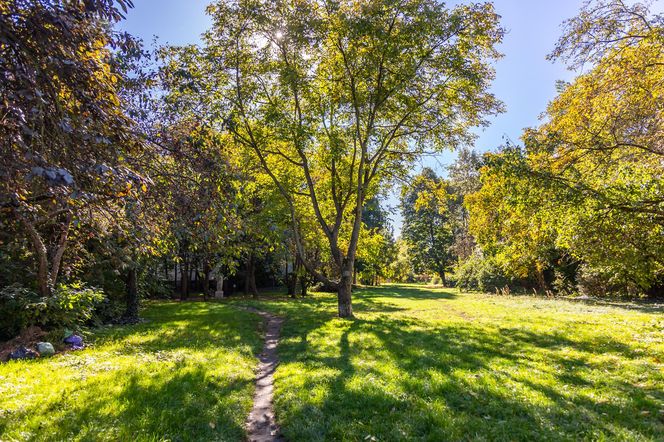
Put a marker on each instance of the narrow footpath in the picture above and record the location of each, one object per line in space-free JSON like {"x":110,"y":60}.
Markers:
{"x":261,"y":425}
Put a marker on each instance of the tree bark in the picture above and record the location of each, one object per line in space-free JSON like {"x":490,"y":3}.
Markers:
{"x":60,"y":250}
{"x":43,"y":276}
{"x":291,"y":277}
{"x":131,"y":311}
{"x":444,"y":280}
{"x":184,"y":276}
{"x":291,"y":280}
{"x":344,"y":290}
{"x":304,"y":284}
{"x":250,"y":277}
{"x":206,"y":278}
{"x":539,"y":274}
{"x":175,"y":279}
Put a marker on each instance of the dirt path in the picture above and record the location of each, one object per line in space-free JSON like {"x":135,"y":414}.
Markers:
{"x":261,"y":425}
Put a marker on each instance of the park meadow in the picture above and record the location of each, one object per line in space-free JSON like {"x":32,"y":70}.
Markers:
{"x":331,"y":220}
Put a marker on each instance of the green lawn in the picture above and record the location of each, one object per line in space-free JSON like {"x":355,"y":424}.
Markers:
{"x":187,"y":374}
{"x":416,"y":364}
{"x":423,"y":364}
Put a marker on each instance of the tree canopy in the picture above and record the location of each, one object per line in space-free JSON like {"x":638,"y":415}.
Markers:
{"x":335,"y":98}
{"x":263,"y":155}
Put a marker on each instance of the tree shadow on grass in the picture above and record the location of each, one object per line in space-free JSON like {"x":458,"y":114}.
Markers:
{"x":171,"y":378}
{"x":184,"y":404}
{"x":174,"y":326}
{"x":643,"y":306}
{"x":406,"y":292}
{"x":396,"y":380}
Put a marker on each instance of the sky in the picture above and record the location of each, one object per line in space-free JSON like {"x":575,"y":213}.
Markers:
{"x":525,"y":80}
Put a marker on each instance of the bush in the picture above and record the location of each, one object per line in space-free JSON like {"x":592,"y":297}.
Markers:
{"x":68,"y":306}
{"x":108,"y":311}
{"x":592,"y":281}
{"x":154,"y":288}
{"x":436,"y":280}
{"x":562,"y":284}
{"x":14,"y":315}
{"x":481,"y":274}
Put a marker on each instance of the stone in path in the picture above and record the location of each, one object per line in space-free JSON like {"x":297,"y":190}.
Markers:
{"x":261,"y":425}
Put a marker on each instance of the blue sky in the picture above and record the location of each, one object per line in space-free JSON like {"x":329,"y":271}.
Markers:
{"x":525,"y":80}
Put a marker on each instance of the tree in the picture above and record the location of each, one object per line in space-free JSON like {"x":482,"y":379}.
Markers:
{"x":509,"y":216}
{"x":334,"y":98}
{"x":376,"y":248}
{"x":600,"y":149}
{"x":427,"y":224}
{"x":400,"y":268}
{"x":65,"y":138}
{"x":464,"y":179}
{"x":587,"y":185}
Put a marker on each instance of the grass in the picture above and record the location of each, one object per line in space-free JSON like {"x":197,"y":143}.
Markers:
{"x":433,"y":364}
{"x":186,"y":374}
{"x":415,"y":364}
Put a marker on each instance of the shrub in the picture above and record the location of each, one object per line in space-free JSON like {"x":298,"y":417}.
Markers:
{"x":481,"y":273}
{"x":562,"y":283}
{"x":108,"y":311}
{"x":154,"y":288}
{"x":69,"y":306}
{"x":436,"y":280}
{"x":14,"y":315}
{"x":594,"y":281}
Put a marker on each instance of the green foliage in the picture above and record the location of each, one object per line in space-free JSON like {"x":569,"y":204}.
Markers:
{"x":480,"y":273}
{"x":67,"y":143}
{"x":597,"y":281}
{"x":426,"y":207}
{"x":69,"y":306}
{"x":401,"y":267}
{"x":13,"y":302}
{"x":436,"y":280}
{"x":464,"y":179}
{"x":334,"y":101}
{"x":376,"y":247}
{"x":587,"y":182}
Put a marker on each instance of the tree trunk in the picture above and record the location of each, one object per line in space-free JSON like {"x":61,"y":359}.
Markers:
{"x":442,"y":277}
{"x":539,"y":274}
{"x":132,"y":295}
{"x":184,"y":276}
{"x":206,"y":278}
{"x":250,"y":278}
{"x":193,"y":274}
{"x":60,"y":250}
{"x":291,"y":277}
{"x":175,"y":279}
{"x":304,"y":284}
{"x":43,"y":274}
{"x":345,"y":289}
{"x":291,"y":280}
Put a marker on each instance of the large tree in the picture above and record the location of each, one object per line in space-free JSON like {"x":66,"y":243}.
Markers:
{"x":426,"y":207}
{"x":464,"y":179}
{"x":589,"y":181}
{"x":336,"y":97}
{"x":65,"y":137}
{"x":601,"y":148}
